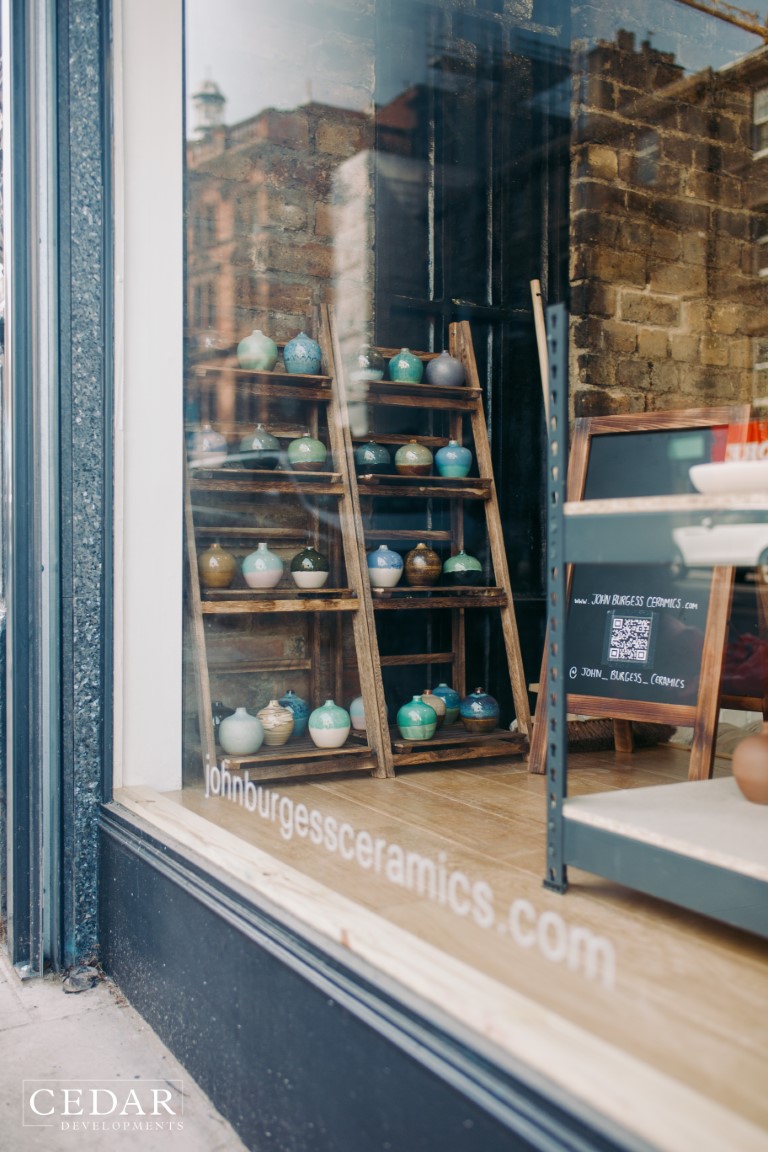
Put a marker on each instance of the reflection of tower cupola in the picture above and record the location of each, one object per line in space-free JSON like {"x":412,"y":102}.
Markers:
{"x":208,"y":103}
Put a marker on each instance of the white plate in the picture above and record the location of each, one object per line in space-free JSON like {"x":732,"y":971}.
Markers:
{"x":730,"y":476}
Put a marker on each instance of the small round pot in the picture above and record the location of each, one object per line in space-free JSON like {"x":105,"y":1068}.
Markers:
{"x":260,"y":449}
{"x":462,"y":571}
{"x":445,"y":370}
{"x":262,"y":568}
{"x":367,"y":365}
{"x":422,"y":566}
{"x":452,"y":701}
{"x":405,"y":367}
{"x":305,"y":454}
{"x":416,"y":720}
{"x":750,"y":766}
{"x":385,"y":567}
{"x":300,"y":710}
{"x":302,"y":354}
{"x":257,"y":352}
{"x":207,"y":448}
{"x":278,"y":723}
{"x":216,"y":567}
{"x":310,"y":569}
{"x":453,"y":460}
{"x":329,"y":725}
{"x":437,"y":703}
{"x":372,"y":459}
{"x":413,"y":459}
{"x":479,"y":712}
{"x":241,"y":734}
{"x":357,"y":714}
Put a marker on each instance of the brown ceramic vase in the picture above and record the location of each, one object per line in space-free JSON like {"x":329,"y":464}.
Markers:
{"x":277,"y":722}
{"x":437,"y":703}
{"x":217,"y":567}
{"x":750,"y":766}
{"x":422,"y":566}
{"x":413,"y":459}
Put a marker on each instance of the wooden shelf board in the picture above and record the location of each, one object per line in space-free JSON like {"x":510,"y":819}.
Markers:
{"x":263,"y":377}
{"x":252,"y":602}
{"x":400,"y":438}
{"x":440,"y":487}
{"x":219,"y":530}
{"x":407,"y":534}
{"x":461,"y":398}
{"x":272,"y":664}
{"x":258,"y":480}
{"x":455,"y":743}
{"x":297,"y":748}
{"x":412,"y":658}
{"x":436,"y":597}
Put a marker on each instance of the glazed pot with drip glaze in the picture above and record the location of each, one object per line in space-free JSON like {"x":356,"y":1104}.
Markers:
{"x":416,"y":720}
{"x":216,"y":567}
{"x":260,"y":449}
{"x":413,"y":459}
{"x":306,"y":454}
{"x":422,"y":566}
{"x":385,"y":567}
{"x":329,"y":725}
{"x":262,"y":568}
{"x":310,"y":568}
{"x":452,"y":701}
{"x":300,"y":710}
{"x":479,"y":712}
{"x":405,"y":368}
{"x":453,"y":460}
{"x":302,"y":354}
{"x":372,"y":459}
{"x":462,"y":571}
{"x":278,"y":723}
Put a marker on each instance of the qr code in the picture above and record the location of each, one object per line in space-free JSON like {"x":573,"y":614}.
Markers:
{"x":630,"y":638}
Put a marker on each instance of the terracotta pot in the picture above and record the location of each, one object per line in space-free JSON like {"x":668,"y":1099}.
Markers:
{"x":750,"y":766}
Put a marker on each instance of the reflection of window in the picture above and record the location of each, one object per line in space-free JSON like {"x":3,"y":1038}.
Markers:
{"x":204,"y":227}
{"x":760,"y":120}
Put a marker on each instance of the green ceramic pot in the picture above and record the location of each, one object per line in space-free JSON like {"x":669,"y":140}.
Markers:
{"x":257,"y":352}
{"x":305,"y":454}
{"x":405,"y":367}
{"x":462,"y":570}
{"x":260,"y":449}
{"x":416,"y":720}
{"x":310,"y":569}
{"x":413,"y":459}
{"x":329,"y":725}
{"x":372,"y":459}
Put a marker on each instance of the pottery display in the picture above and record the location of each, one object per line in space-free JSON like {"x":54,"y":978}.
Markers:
{"x":357,"y":714}
{"x":750,"y":766}
{"x":445,"y":370}
{"x":479,"y":712}
{"x":260,"y":449}
{"x":278,"y":723}
{"x":241,"y":734}
{"x":413,"y":459}
{"x":453,"y":460}
{"x":422,"y":566}
{"x":309,"y":568}
{"x":437,"y":703}
{"x":302,"y":354}
{"x":329,"y":725}
{"x":257,"y":352}
{"x":305,"y":454}
{"x":452,"y":701}
{"x":207,"y":448}
{"x":385,"y":567}
{"x":405,"y":367}
{"x":262,"y":568}
{"x":372,"y":459}
{"x":416,"y":720}
{"x":462,"y":570}
{"x":367,"y":365}
{"x":216,"y":567}
{"x":300,"y":710}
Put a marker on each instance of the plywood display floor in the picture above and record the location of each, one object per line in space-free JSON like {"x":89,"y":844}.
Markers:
{"x":689,"y":997}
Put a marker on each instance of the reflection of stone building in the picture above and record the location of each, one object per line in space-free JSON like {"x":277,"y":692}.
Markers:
{"x":667,"y":303}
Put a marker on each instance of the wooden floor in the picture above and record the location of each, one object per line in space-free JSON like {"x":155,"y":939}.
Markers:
{"x":686,"y":1015}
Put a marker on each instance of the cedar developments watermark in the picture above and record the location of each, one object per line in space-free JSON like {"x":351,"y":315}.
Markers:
{"x":104,"y":1105}
{"x":520,"y":922}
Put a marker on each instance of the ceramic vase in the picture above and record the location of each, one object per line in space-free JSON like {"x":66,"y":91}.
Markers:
{"x":445,"y":370}
{"x":372,"y":459}
{"x":750,"y":766}
{"x":262,"y":568}
{"x":241,"y":734}
{"x":357,"y":714}
{"x":479,"y":712}
{"x":453,"y":460}
{"x":260,"y":449}
{"x":257,"y":352}
{"x":385,"y":567}
{"x":437,"y":703}
{"x":207,"y":448}
{"x":219,"y":712}
{"x":452,"y":701}
{"x":310,"y":569}
{"x":278,"y":723}
{"x":413,"y":459}
{"x":422,"y":566}
{"x":329,"y":725}
{"x":300,"y":710}
{"x":405,"y":367}
{"x":216,"y":567}
{"x":368,"y":365}
{"x":462,"y":570}
{"x":302,"y":354}
{"x":416,"y":720}
{"x":306,"y":454}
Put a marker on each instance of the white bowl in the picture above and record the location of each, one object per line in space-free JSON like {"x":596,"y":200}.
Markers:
{"x":730,"y":476}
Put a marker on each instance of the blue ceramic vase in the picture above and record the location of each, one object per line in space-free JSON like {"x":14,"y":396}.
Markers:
{"x":385,"y":567}
{"x":262,"y":568}
{"x":300,"y":710}
{"x":479,"y":712}
{"x":372,"y":459}
{"x":302,"y":355}
{"x":416,"y":720}
{"x":452,"y":701}
{"x":453,"y":460}
{"x":406,"y":368}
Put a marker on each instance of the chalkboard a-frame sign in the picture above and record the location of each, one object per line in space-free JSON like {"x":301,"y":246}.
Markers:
{"x":645,"y":642}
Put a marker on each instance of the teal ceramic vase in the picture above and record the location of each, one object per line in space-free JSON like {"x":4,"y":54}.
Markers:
{"x":305,"y":454}
{"x":207,"y":448}
{"x":257,"y":352}
{"x":453,"y":460}
{"x":479,"y":712}
{"x":302,"y":354}
{"x":241,"y":734}
{"x":260,"y":449}
{"x":262,"y":568}
{"x":329,"y":725}
{"x":462,"y":571}
{"x":310,"y":569}
{"x":300,"y":710}
{"x":413,"y":459}
{"x":452,"y":701}
{"x":385,"y":567}
{"x":416,"y":720}
{"x":368,"y":365}
{"x":406,"y":368}
{"x":372,"y":459}
{"x":445,"y":370}
{"x":357,"y":714}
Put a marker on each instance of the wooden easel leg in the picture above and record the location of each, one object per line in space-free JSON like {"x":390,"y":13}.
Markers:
{"x":623,"y":736}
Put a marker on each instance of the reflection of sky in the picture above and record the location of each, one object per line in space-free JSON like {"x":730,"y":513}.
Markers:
{"x":263,"y":53}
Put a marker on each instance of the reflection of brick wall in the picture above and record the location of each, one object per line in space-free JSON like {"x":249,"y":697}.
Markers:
{"x":665,"y":300}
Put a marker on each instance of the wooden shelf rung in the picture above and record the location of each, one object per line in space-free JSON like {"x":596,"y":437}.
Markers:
{"x":417,"y":658}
